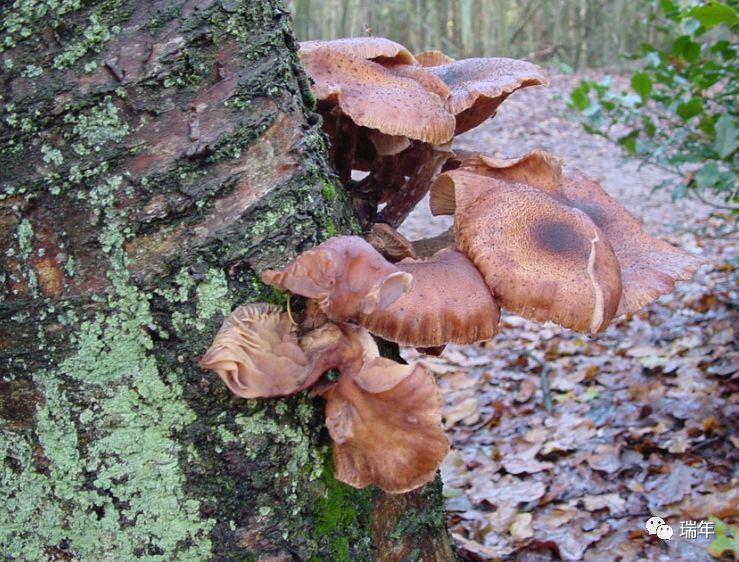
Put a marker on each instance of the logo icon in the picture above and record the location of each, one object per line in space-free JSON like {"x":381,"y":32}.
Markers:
{"x":664,"y":532}
{"x":652,"y":524}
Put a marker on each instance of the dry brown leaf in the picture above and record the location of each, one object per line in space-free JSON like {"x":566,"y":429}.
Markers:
{"x":467,"y":411}
{"x":606,"y":458}
{"x":521,"y":528}
{"x":613,"y":502}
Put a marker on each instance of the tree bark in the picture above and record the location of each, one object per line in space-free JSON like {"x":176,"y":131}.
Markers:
{"x":154,"y":157}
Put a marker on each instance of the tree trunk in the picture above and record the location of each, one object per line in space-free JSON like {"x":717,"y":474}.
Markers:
{"x":155,"y":156}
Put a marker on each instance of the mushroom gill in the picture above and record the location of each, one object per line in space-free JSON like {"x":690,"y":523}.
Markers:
{"x":257,"y":355}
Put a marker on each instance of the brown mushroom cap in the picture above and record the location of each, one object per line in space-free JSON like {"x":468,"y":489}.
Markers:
{"x":649,"y":267}
{"x":256,"y":353}
{"x":385,"y":421}
{"x":375,"y":97}
{"x":433,"y":58}
{"x":345,"y":274}
{"x":448,"y":303}
{"x":389,"y":242}
{"x":542,"y":259}
{"x":537,"y":168}
{"x":480,"y":85}
{"x":370,"y":48}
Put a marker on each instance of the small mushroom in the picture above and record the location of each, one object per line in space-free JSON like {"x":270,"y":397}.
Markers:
{"x":448,"y":303}
{"x":389,"y":242}
{"x":385,"y":421}
{"x":256,"y":353}
{"x":433,"y":58}
{"x":426,"y":247}
{"x":345,"y":275}
{"x":541,"y":258}
{"x":480,"y":85}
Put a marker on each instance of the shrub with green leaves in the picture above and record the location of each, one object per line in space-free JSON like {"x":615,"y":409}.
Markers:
{"x":680,"y":112}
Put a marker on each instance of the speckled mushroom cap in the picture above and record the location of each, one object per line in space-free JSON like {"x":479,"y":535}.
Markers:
{"x":385,"y":421}
{"x":541,"y":258}
{"x":373,"y":96}
{"x":256,"y":353}
{"x":345,"y":275}
{"x":448,"y":303}
{"x":369,"y":48}
{"x":649,"y":267}
{"x":480,"y":85}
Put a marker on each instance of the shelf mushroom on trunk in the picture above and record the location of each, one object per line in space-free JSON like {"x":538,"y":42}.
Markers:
{"x":543,"y":241}
{"x":393,"y":116}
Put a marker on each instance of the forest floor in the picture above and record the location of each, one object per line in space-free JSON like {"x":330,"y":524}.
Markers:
{"x":639,"y":421}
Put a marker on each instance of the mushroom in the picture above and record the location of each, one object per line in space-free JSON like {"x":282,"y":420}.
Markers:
{"x":389,"y":242}
{"x":433,"y":58}
{"x":384,"y":417}
{"x":480,"y":85}
{"x":385,"y":421}
{"x":541,"y":258}
{"x":649,"y":267}
{"x":370,"y":48}
{"x":448,"y":303}
{"x":345,"y":275}
{"x":256,"y":353}
{"x":373,"y":96}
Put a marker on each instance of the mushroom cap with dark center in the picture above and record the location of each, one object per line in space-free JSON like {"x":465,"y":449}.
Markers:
{"x":373,"y":96}
{"x":541,"y":259}
{"x":345,"y":275}
{"x":649,"y":266}
{"x":448,"y":303}
{"x":386,"y":425}
{"x":480,"y":85}
{"x":257,"y":354}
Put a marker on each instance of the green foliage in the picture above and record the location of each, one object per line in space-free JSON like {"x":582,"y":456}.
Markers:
{"x":727,"y":539}
{"x":681,"y":110}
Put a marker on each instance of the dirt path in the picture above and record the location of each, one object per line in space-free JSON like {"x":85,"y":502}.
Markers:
{"x":642,"y":420}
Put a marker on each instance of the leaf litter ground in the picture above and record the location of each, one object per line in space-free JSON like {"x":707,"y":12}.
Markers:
{"x":637,"y":422}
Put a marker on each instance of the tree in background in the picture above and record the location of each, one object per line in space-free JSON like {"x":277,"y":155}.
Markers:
{"x":681,"y":111}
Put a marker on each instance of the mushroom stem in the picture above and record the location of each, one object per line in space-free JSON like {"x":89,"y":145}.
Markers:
{"x":345,"y":147}
{"x":368,"y":192}
{"x":431,"y":158}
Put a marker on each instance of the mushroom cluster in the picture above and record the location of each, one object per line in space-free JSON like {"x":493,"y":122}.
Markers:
{"x":393,"y":115}
{"x":529,"y":234}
